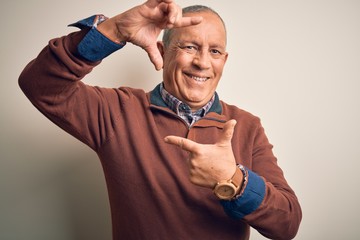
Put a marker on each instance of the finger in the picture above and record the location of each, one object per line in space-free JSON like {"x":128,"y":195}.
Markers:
{"x":174,"y":13}
{"x":165,"y":1}
{"x":176,"y":19}
{"x":183,"y":143}
{"x":155,"y":57}
{"x":154,"y":3}
{"x":227,"y":132}
{"x":188,"y":21}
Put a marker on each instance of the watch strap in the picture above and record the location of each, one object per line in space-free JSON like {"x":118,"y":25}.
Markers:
{"x":244,"y":181}
{"x":236,"y":178}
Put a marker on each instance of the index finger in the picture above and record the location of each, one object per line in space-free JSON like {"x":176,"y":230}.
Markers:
{"x":188,"y":21}
{"x":157,"y":2}
{"x":183,"y":143}
{"x":176,"y":19}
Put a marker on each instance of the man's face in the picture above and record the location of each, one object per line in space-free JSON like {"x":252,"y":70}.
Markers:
{"x":194,"y":60}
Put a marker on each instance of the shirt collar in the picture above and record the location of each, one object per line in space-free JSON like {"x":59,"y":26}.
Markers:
{"x":181,"y":108}
{"x":156,"y":100}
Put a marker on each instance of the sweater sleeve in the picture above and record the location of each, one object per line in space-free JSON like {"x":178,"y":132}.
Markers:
{"x":52,"y":83}
{"x":268,"y":203}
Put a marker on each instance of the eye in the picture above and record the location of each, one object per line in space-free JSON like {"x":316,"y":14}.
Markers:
{"x":189,"y":48}
{"x":215,"y":52}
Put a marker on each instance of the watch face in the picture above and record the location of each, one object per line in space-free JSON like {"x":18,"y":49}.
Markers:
{"x":225,"y":191}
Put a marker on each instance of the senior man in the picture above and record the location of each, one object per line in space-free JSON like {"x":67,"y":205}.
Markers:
{"x":179,"y":163}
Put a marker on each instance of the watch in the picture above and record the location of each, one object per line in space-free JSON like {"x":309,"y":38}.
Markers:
{"x":227,"y":189}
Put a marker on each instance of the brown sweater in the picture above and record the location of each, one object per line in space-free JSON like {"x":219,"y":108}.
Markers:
{"x":150,"y":194}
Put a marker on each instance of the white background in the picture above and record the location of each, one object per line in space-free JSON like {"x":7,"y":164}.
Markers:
{"x":295,"y":64}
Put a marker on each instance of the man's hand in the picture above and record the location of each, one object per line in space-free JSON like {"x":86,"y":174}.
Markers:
{"x":142,"y":25}
{"x":209,"y":163}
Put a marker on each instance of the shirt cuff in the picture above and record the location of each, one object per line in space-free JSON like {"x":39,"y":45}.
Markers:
{"x":250,"y":199}
{"x":95,"y":46}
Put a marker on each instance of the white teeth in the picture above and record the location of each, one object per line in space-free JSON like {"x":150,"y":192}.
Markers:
{"x":200,"y":79}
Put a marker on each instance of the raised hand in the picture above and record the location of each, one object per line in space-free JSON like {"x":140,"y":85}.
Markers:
{"x":209,"y":163}
{"x":142,"y":25}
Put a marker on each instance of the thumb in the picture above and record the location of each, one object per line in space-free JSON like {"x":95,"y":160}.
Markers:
{"x":227,"y":133}
{"x":155,"y":56}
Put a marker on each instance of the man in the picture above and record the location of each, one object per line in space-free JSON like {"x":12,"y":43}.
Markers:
{"x":179,"y":163}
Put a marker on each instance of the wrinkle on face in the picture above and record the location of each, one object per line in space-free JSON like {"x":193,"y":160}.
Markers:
{"x":195,"y":53}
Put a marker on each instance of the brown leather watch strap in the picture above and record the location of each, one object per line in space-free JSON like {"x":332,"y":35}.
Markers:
{"x":237,"y":178}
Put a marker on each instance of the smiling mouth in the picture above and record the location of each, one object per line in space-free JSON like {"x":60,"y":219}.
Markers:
{"x":197,"y":78}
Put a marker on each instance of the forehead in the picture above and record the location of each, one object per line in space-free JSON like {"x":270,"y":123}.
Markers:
{"x":211,"y":28}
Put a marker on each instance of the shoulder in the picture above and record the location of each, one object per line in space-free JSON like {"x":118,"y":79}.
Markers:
{"x":248,"y":127}
{"x":121,"y":98}
{"x":121,"y":93}
{"x":239,"y":114}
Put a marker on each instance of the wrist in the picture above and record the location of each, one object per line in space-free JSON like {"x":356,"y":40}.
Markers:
{"x":243,"y":182}
{"x":109,"y":29}
{"x":231,"y":188}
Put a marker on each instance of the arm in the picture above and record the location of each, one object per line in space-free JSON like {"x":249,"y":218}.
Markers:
{"x":267,"y":203}
{"x":52,"y":83}
{"x":278,"y":215}
{"x":52,"y":80}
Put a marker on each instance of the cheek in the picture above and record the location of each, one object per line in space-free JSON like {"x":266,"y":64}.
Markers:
{"x":178,"y":65}
{"x":182,"y":59}
{"x":172,"y":62}
{"x":218,"y":66}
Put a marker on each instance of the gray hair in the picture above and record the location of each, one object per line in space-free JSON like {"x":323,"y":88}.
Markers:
{"x":190,"y":9}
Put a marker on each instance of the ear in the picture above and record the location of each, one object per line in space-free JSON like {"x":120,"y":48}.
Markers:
{"x":226,"y":56}
{"x":160,"y":46}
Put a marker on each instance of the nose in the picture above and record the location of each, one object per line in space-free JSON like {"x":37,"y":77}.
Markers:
{"x":202,"y":60}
